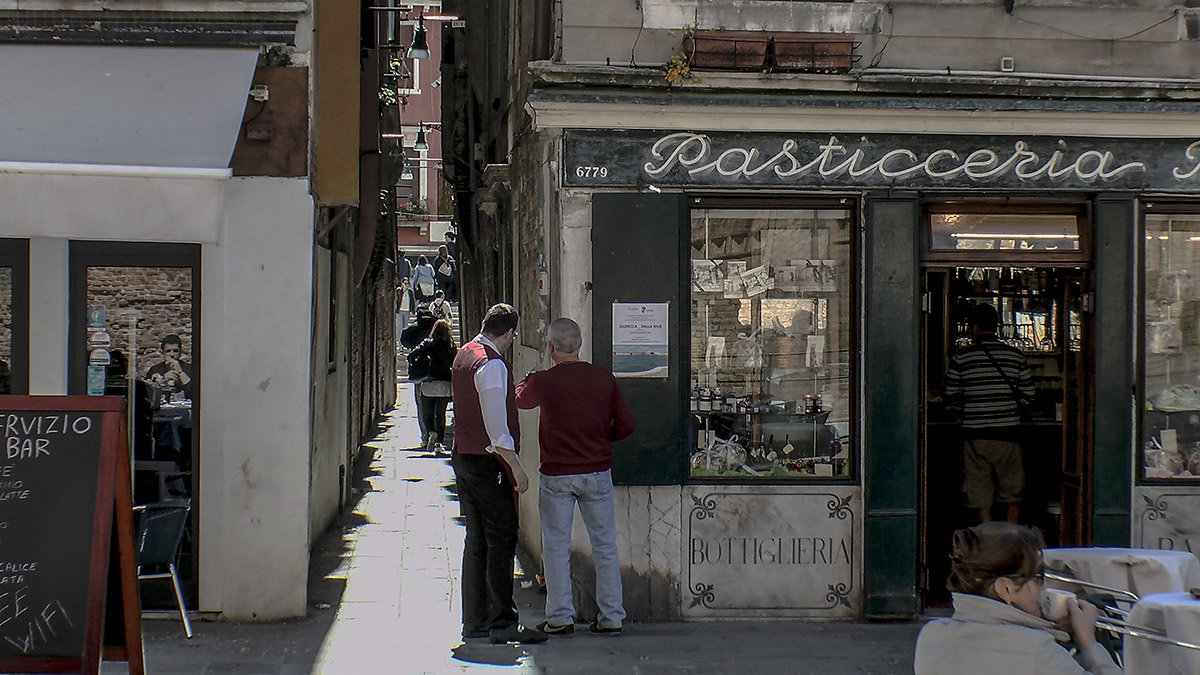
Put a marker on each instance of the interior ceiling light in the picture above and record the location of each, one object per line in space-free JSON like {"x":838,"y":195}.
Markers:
{"x":1010,"y":235}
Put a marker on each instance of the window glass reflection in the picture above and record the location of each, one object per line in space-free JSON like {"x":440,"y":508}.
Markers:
{"x":1171,"y":347}
{"x":1003,"y":232}
{"x":771,"y":343}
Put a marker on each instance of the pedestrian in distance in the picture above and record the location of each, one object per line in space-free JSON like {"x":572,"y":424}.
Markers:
{"x":435,"y":355}
{"x":997,"y":578}
{"x":440,"y":307}
{"x":418,"y":368}
{"x":445,"y":270}
{"x":489,"y":479}
{"x":403,"y":266}
{"x":405,"y":302}
{"x":582,"y":413}
{"x":423,"y":280}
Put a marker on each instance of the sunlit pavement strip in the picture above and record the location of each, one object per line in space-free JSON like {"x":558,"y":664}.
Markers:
{"x":400,"y":608}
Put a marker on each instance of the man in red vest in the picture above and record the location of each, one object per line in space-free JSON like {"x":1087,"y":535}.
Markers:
{"x":488,"y":477}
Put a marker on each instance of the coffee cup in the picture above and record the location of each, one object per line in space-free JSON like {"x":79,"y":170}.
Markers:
{"x":1055,"y":603}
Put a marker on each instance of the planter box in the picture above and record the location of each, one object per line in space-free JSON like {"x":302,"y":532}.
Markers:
{"x":727,"y":50}
{"x":813,"y":54}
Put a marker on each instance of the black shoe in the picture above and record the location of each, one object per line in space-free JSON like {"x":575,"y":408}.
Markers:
{"x":517,"y":633}
{"x":604,"y":630}
{"x":550,"y":629}
{"x":474,"y":634}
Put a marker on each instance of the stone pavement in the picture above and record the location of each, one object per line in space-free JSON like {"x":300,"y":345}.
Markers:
{"x":383,"y":598}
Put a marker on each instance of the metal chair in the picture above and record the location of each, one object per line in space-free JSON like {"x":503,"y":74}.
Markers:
{"x":159,"y":531}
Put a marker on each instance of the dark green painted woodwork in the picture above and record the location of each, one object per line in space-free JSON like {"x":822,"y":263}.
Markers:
{"x":890,"y":349}
{"x":639,"y":248}
{"x":1113,"y":339}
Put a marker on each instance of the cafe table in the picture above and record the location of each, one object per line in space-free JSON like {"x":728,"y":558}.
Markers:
{"x":1176,"y":615}
{"x":1141,"y":571}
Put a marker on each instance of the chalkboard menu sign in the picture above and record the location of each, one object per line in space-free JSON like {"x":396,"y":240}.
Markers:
{"x":58,"y":462}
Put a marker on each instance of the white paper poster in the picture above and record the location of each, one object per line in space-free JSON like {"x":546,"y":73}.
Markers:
{"x":640,"y":339}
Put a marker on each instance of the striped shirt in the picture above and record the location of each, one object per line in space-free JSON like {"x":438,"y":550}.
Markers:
{"x":975,"y":381}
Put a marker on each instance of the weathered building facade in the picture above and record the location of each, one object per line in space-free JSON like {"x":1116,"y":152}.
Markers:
{"x":191,"y":171}
{"x":772,"y":218}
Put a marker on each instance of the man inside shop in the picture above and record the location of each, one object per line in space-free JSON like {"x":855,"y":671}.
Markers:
{"x":173,"y":376}
{"x":990,"y":382}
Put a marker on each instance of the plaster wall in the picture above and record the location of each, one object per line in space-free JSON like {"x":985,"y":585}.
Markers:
{"x":330,"y":424}
{"x":1146,"y":39}
{"x":256,"y":300}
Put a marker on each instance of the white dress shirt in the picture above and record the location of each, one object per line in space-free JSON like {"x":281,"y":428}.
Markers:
{"x":491,"y":382}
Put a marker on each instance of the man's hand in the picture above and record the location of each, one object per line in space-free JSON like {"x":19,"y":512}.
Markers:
{"x":521,"y":480}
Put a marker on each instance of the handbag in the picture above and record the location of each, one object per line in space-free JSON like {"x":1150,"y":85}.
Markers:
{"x":435,"y":388}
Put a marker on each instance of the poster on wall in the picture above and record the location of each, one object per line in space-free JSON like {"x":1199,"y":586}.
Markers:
{"x":640,"y":339}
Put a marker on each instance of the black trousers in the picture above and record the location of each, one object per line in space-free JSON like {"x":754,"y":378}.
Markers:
{"x":489,"y":508}
{"x":431,"y":414}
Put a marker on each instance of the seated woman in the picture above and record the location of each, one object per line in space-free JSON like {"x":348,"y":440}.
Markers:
{"x":996,"y":578}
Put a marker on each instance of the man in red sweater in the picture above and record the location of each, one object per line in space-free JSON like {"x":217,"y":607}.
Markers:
{"x":488,"y":477}
{"x":582,"y":413}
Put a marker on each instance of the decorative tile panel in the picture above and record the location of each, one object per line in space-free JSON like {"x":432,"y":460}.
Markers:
{"x":768,"y":551}
{"x":1166,"y":517}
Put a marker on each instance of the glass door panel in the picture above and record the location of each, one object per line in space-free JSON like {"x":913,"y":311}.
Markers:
{"x":135,"y":333}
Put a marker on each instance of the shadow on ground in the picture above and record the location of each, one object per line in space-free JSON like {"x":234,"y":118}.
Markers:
{"x":265,"y":648}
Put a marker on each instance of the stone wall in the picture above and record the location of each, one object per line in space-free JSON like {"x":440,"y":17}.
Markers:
{"x":143,"y":304}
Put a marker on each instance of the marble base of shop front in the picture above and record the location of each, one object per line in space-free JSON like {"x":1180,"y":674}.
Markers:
{"x":771,"y":551}
{"x":1167,"y":517}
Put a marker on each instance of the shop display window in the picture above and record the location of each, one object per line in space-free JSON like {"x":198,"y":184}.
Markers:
{"x":771,"y":347}
{"x":1171,"y":348}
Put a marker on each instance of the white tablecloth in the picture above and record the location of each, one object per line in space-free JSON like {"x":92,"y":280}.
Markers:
{"x":1141,"y":571}
{"x":1175,"y":614}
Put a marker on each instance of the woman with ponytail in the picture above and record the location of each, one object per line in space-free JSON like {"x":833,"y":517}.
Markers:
{"x":996,"y":577}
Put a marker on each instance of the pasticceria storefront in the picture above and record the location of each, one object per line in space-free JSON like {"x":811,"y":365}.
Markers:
{"x":782,"y":302}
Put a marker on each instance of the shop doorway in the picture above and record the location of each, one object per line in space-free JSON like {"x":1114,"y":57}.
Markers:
{"x":135,"y":333}
{"x":1044,"y":310}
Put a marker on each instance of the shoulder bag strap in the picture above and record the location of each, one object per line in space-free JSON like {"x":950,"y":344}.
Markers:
{"x":1017,"y":395}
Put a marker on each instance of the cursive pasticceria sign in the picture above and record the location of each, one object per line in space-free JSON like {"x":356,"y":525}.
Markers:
{"x":609,"y":158}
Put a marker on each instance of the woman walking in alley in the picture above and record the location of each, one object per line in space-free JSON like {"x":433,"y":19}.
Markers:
{"x":423,"y":280}
{"x":433,"y":393}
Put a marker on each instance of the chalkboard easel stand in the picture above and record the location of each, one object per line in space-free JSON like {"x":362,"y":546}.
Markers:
{"x":113,"y":504}
{"x":129,"y":647}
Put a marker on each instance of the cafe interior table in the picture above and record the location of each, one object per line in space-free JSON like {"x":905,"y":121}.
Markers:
{"x":1141,"y":571}
{"x":1177,"y":615}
